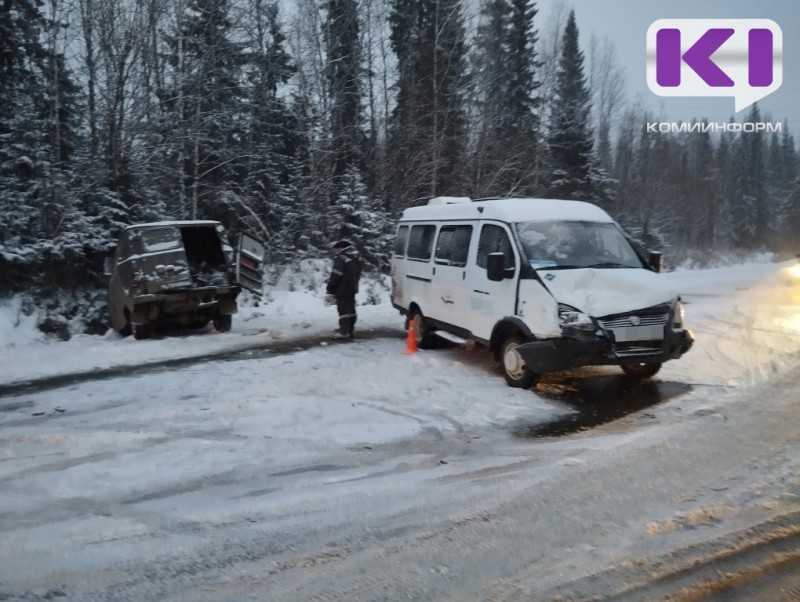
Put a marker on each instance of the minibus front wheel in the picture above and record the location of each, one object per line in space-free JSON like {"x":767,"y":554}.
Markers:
{"x":514,"y":370}
{"x":641,"y":369}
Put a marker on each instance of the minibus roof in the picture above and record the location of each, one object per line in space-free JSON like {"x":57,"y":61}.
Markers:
{"x":510,"y":210}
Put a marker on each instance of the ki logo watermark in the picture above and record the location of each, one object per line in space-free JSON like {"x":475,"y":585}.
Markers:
{"x":742,"y":58}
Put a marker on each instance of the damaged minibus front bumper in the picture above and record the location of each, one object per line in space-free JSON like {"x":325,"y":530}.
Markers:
{"x":602,"y":348}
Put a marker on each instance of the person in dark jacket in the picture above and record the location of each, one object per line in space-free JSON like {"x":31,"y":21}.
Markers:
{"x":343,"y":285}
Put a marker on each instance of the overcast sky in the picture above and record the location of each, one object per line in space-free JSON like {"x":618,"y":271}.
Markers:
{"x":625,"y":22}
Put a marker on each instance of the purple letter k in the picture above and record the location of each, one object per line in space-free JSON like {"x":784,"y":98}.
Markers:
{"x":698,"y":58}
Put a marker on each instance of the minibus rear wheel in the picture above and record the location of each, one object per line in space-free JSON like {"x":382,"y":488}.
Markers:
{"x":514,"y":370}
{"x":422,"y":331}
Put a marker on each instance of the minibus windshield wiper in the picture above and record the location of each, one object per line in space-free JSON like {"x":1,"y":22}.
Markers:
{"x":608,"y":265}
{"x":568,"y":266}
{"x":561,"y":266}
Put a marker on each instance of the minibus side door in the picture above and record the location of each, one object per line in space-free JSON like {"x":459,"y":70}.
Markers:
{"x":452,"y":302}
{"x":491,"y":301}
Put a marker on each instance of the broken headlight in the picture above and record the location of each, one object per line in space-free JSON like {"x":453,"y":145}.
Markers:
{"x":569,"y":317}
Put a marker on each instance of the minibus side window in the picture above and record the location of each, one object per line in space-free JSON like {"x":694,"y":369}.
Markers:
{"x":494,"y":239}
{"x":420,"y":242}
{"x":400,"y":241}
{"x":453,"y":245}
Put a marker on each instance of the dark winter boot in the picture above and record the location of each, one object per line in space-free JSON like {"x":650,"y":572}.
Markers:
{"x":344,"y":329}
{"x":351,"y":327}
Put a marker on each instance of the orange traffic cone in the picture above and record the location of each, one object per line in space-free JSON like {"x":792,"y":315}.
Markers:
{"x":411,"y":338}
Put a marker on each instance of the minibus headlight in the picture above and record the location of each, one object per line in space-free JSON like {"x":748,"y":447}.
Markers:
{"x":569,"y":317}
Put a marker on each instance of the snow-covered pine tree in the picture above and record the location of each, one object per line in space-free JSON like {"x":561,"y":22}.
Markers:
{"x":701,"y":219}
{"x":427,"y":132}
{"x":207,"y":75}
{"x":344,"y":73}
{"x":749,"y":204}
{"x":570,"y":134}
{"x":623,"y":170}
{"x":267,"y":194}
{"x":786,"y":196}
{"x":723,"y":191}
{"x":361,"y":220}
{"x":38,"y":137}
{"x":507,"y":158}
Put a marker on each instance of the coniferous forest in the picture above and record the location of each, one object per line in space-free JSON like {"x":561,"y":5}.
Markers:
{"x":305,"y":121}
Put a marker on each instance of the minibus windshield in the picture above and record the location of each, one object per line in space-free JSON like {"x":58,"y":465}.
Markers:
{"x":576,"y":244}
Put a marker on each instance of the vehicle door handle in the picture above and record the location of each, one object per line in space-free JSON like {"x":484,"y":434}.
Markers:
{"x":481,"y":292}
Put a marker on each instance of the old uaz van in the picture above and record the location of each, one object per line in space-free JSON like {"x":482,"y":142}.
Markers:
{"x":179,"y":274}
{"x":545,"y":284}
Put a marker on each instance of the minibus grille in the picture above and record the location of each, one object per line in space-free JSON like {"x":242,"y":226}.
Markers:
{"x":626,"y":321}
{"x":637,"y":334}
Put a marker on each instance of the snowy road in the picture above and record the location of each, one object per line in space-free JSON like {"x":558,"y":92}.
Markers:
{"x":119,"y":503}
{"x":355,"y":472}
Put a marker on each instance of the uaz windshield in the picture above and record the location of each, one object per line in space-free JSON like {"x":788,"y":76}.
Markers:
{"x":570,"y":245}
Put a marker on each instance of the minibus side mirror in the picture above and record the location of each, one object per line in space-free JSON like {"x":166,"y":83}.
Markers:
{"x":656,"y":261}
{"x":495,"y":266}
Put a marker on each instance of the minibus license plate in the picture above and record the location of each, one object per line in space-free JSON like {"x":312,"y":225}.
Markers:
{"x":639,"y":333}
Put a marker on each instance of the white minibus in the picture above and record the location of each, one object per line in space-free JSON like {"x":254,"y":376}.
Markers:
{"x":545,"y":284}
